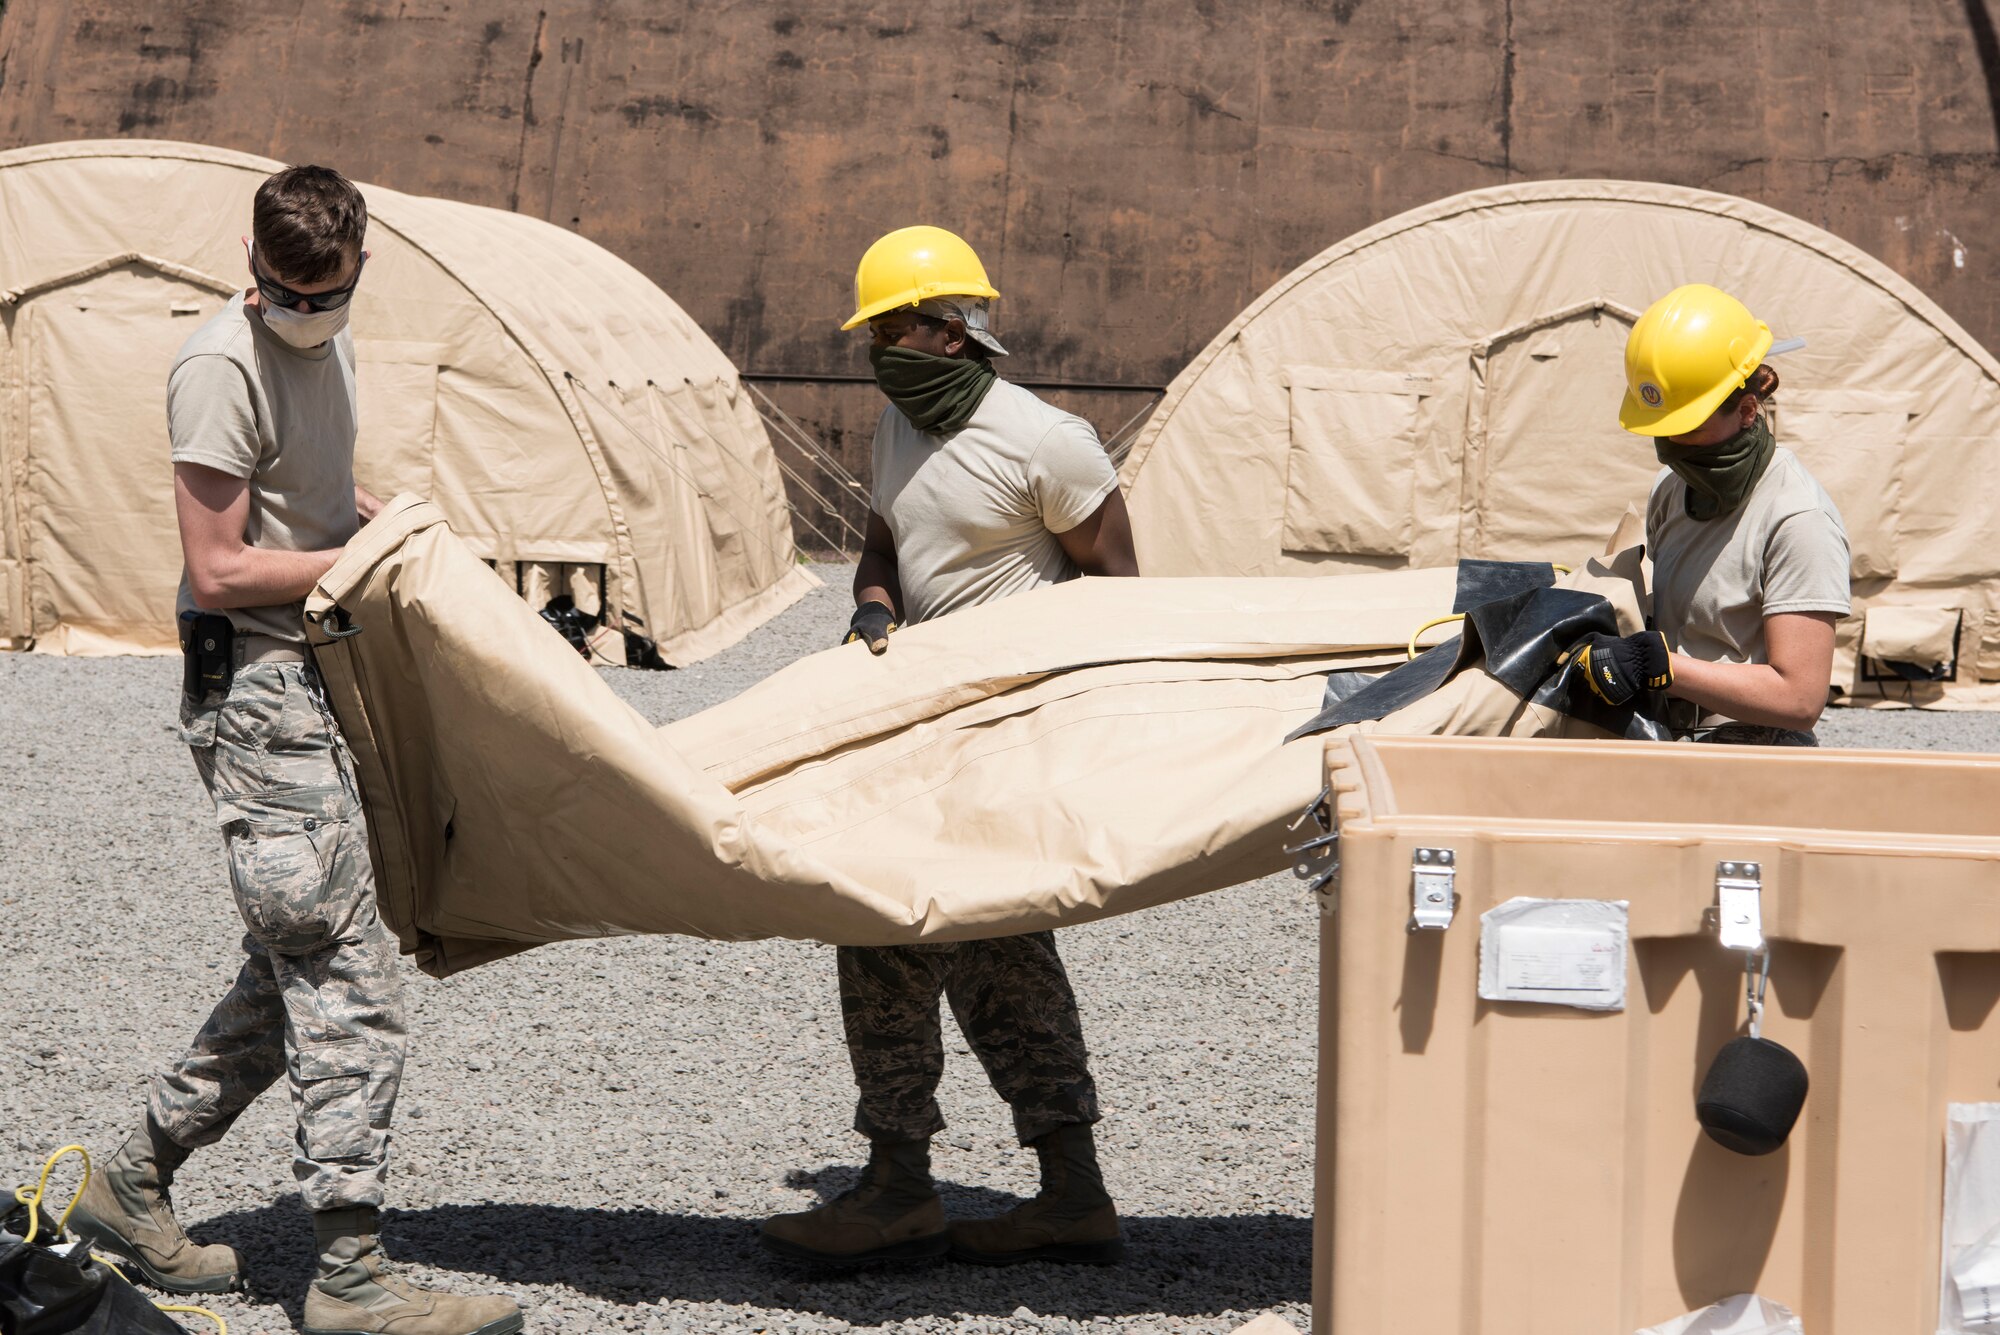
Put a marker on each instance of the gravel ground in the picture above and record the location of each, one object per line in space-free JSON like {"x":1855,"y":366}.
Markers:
{"x":596,"y":1127}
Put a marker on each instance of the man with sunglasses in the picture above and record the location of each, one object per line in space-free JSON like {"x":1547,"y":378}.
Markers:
{"x":261,"y":415}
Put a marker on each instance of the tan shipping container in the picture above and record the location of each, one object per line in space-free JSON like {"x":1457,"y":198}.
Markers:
{"x":1522,"y":1168}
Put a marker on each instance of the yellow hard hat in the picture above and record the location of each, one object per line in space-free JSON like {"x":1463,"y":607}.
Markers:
{"x":914,"y":264}
{"x":1691,"y":350}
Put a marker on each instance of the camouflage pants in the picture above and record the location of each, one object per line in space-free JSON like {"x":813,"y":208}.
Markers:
{"x":1012,"y":1001}
{"x":319,"y":999}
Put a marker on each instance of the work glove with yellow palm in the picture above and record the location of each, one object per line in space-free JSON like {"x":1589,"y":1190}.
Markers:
{"x":1616,"y":669}
{"x":871,"y":624}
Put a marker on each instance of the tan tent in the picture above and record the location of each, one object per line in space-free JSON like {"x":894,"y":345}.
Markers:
{"x":580,"y":430}
{"x":1065,"y":754}
{"x":1446,"y":384}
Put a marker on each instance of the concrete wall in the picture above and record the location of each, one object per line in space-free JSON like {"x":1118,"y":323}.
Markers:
{"x":1133,"y":174}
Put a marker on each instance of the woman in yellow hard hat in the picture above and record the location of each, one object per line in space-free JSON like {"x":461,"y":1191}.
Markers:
{"x":1750,"y":557}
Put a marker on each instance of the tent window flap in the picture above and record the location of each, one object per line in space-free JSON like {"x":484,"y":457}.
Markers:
{"x":1910,"y":643}
{"x":396,"y":393}
{"x":1852,"y":441}
{"x":1351,"y":468}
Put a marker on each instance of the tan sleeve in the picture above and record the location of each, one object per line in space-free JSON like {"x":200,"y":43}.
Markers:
{"x":1069,"y":475}
{"x":210,"y":420}
{"x":1656,"y":511}
{"x":878,"y":456}
{"x":1805,"y":565}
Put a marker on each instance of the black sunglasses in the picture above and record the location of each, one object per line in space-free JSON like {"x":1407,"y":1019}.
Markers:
{"x":279,"y":295}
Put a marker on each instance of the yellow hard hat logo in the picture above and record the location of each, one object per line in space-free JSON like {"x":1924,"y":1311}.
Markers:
{"x":913,"y":264}
{"x":1688,"y":352}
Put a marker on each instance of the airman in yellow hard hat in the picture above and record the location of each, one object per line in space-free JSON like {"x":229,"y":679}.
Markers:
{"x":1750,"y":559}
{"x":981,"y":491}
{"x":915,"y":267}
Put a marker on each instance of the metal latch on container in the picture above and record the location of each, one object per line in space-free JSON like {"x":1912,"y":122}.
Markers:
{"x":1317,"y":857}
{"x":1739,"y":904}
{"x":1433,"y":889}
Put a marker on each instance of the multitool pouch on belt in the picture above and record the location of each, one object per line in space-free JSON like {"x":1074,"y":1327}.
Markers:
{"x":208,"y":663}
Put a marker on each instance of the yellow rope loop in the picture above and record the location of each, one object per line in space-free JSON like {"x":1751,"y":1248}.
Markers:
{"x":1411,"y":650}
{"x":221,"y":1326}
{"x":32,"y":1196}
{"x":1434,"y":621}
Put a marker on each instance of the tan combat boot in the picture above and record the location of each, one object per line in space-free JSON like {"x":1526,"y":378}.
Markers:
{"x":351,"y":1295}
{"x":892,"y":1214}
{"x":126,"y":1214}
{"x":1071,"y":1219}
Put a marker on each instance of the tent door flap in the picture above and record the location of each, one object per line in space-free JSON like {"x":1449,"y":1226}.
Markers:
{"x":100,"y":551}
{"x":1545,"y":459}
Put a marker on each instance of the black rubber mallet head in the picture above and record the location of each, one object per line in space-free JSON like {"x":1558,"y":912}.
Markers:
{"x":1751,"y":1096}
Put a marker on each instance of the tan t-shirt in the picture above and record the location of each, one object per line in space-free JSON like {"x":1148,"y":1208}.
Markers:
{"x":975,"y":513}
{"x":1714,"y":581}
{"x":243,"y":401}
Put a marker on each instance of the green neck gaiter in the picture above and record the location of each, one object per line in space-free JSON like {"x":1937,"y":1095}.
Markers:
{"x":1720,"y":477}
{"x":937,"y":394}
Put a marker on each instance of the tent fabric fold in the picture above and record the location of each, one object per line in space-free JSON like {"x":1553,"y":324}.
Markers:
{"x":1065,"y":755}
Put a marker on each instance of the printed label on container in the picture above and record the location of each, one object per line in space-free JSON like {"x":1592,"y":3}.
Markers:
{"x":1570,"y":952}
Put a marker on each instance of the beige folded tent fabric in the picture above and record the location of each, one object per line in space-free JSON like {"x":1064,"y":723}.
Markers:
{"x":1067,"y":754}
{"x":578,"y":427}
{"x":1446,"y":384}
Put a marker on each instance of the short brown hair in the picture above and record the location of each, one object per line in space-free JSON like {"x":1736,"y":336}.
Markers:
{"x":306,"y":223}
{"x":1763,"y":382}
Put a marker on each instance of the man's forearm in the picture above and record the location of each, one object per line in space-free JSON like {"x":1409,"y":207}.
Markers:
{"x":875,"y":581}
{"x":258,"y":577}
{"x":1102,"y":544}
{"x":1112,"y":563}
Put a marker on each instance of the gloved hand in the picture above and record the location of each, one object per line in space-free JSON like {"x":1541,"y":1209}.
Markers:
{"x":872,"y":622}
{"x":1618,"y":669}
